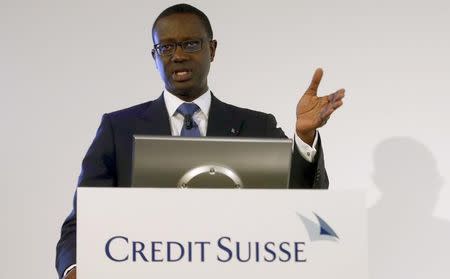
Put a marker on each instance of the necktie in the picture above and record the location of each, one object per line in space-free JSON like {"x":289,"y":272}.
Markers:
{"x":190,"y":128}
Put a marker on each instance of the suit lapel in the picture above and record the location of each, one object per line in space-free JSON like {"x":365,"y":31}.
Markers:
{"x":222,"y":120}
{"x":155,"y":119}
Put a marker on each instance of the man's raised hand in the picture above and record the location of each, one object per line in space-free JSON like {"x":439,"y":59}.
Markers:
{"x":313,"y":112}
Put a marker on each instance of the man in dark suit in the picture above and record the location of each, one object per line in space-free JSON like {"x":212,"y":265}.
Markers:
{"x":184,"y":48}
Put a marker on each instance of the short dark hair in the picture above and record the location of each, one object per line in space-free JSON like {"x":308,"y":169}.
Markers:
{"x":185,"y":9}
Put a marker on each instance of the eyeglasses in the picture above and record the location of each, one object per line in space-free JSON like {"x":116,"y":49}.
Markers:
{"x":167,"y":49}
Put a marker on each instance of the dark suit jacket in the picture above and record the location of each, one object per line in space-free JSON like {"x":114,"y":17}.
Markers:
{"x":108,"y":160}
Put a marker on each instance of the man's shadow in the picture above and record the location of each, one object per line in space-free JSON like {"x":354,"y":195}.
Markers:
{"x":405,"y":240}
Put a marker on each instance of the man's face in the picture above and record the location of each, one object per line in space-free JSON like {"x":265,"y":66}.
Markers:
{"x":184,"y":74}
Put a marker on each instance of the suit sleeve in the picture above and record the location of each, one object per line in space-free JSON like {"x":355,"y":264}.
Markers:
{"x":304,"y":175}
{"x":98,"y":169}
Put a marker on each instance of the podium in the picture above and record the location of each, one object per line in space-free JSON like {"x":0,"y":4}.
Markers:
{"x":220,"y":233}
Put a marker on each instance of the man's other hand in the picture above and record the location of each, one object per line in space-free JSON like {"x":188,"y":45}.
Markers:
{"x":313,"y":112}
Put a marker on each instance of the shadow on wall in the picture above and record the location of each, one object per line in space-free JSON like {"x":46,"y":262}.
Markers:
{"x":405,"y":240}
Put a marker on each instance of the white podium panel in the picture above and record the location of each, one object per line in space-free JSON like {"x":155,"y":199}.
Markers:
{"x":200,"y":233}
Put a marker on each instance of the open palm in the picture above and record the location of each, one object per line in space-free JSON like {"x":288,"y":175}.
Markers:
{"x":312,"y":111}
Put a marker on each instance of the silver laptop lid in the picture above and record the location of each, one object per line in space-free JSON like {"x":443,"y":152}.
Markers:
{"x":209,"y":162}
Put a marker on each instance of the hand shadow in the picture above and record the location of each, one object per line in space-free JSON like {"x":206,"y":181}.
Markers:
{"x":405,"y":240}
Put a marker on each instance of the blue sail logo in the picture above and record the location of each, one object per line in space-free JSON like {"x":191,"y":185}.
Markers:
{"x":319,"y":230}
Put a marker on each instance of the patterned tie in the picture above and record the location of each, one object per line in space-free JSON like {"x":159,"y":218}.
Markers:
{"x":190,"y":128}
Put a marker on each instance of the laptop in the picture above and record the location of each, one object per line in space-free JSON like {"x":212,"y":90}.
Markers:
{"x":210,"y":162}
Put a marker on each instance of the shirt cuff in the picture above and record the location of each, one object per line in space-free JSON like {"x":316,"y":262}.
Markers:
{"x":307,"y":152}
{"x":68,"y":269}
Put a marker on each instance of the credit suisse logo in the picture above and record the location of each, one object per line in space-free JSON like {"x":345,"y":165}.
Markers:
{"x":121,"y":248}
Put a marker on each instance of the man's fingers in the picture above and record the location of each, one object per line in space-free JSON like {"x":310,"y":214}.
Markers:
{"x":326,"y":112}
{"x":337,"y":104}
{"x":314,"y":85}
{"x":336,"y":96}
{"x":335,"y":99}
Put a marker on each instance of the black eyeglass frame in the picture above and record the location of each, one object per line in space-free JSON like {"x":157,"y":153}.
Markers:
{"x":157,"y":50}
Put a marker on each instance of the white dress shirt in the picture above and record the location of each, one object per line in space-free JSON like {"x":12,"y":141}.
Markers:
{"x":177,"y":120}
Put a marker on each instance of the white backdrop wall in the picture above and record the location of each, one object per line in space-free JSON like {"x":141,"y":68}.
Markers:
{"x":64,"y":63}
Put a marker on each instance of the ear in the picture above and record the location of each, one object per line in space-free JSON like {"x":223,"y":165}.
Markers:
{"x":212,"y":49}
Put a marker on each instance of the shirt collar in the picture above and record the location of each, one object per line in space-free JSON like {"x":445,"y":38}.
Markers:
{"x":173,"y":102}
